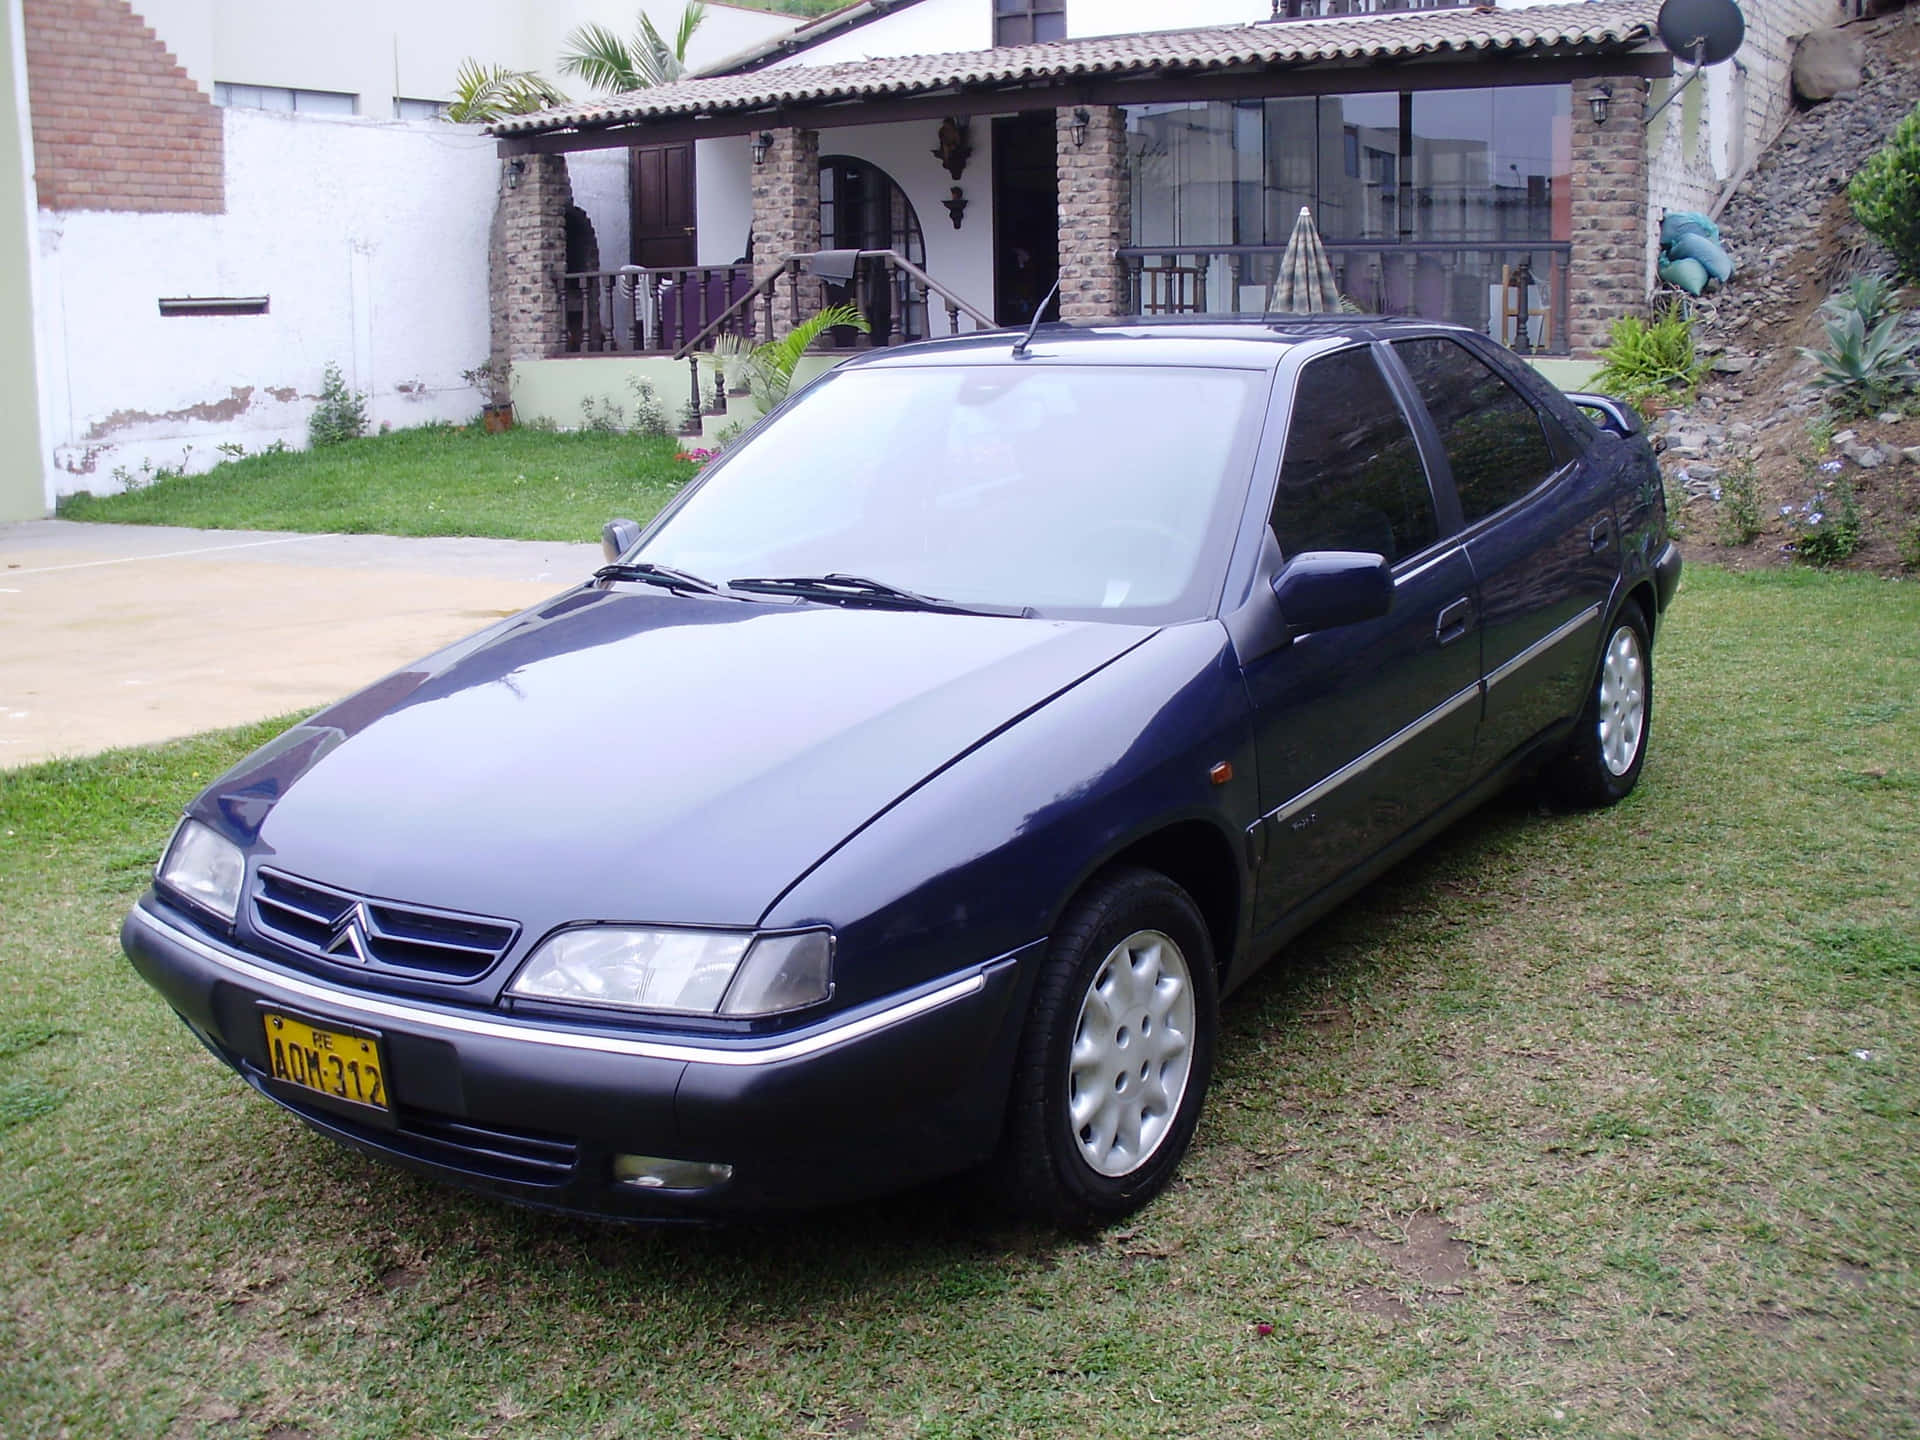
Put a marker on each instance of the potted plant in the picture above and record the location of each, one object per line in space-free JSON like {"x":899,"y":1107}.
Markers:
{"x":496,"y":413}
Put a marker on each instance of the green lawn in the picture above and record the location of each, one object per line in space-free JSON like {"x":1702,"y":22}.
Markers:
{"x":436,"y":480}
{"x":1598,"y":1124}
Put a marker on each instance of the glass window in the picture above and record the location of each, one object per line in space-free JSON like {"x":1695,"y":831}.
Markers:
{"x":1023,"y":22}
{"x":1492,"y":164}
{"x":1495,"y":445}
{"x":276,"y":97}
{"x":1082,"y":491}
{"x":1352,"y":477}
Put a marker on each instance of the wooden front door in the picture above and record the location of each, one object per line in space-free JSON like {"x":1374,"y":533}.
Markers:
{"x":661,"y":186}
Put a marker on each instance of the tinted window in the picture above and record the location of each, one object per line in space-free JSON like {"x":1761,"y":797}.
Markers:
{"x":1492,"y":436}
{"x":1351,"y":479}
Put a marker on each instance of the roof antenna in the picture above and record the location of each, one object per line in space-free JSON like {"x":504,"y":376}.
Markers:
{"x":1020,"y":345}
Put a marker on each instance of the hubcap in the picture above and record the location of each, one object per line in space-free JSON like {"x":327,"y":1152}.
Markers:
{"x":1623,"y":701}
{"x":1132,"y":1053}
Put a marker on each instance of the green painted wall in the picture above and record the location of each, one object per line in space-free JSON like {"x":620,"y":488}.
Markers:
{"x":1567,"y":374}
{"x":557,"y":390}
{"x":23,"y":481}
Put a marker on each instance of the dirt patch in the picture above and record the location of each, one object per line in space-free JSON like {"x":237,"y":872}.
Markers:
{"x":1426,"y":1251}
{"x":1379,"y":1304}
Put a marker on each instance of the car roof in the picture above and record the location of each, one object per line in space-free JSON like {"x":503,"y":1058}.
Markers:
{"x":1249,"y":342}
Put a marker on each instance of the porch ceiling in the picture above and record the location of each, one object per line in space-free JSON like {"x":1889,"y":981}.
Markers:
{"x":1422,"y":47}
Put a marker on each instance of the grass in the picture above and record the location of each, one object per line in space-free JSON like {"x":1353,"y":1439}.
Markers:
{"x":1600,"y":1124}
{"x":435,"y":480}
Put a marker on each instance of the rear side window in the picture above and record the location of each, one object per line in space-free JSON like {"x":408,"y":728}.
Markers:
{"x":1493,"y":438}
{"x":1351,"y":478}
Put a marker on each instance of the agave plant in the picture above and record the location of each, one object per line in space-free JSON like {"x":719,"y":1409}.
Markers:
{"x":1865,"y":370}
{"x":1871,"y":297}
{"x":485,"y":93}
{"x":606,"y":62}
{"x":769,"y":367}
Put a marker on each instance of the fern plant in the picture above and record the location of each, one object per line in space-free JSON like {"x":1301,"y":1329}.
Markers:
{"x":769,"y":367}
{"x":1651,"y":363}
{"x":1864,"y":371}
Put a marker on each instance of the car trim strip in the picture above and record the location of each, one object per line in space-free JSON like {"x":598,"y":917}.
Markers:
{"x":1373,"y":757}
{"x":395,"y":1012}
{"x":1546,"y":642}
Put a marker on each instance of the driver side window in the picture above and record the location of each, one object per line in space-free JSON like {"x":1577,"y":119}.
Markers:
{"x":1351,"y":478}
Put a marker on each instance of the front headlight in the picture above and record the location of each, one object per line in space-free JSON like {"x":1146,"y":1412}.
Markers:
{"x":204,"y":867}
{"x":695,"y":972}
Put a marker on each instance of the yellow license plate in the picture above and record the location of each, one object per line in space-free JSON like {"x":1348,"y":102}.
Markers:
{"x":340,"y":1064}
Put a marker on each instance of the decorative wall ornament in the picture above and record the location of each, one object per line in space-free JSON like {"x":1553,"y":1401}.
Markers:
{"x":955,"y":147}
{"x":956,"y":206}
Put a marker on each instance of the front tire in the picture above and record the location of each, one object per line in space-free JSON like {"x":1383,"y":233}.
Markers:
{"x":1115,"y":1060}
{"x":1609,"y":746}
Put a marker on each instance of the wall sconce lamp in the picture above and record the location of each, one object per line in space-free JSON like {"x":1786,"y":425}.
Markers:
{"x":516,"y":167}
{"x":956,"y":205}
{"x":762,"y":143}
{"x":1081,"y":119}
{"x":1601,"y":99}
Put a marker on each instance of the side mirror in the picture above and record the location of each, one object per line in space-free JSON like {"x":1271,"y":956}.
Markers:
{"x":1321,"y":589}
{"x":1609,"y":414}
{"x":617,"y":537}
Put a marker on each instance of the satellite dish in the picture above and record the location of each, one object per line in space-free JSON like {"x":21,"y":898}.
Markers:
{"x":1702,"y":32}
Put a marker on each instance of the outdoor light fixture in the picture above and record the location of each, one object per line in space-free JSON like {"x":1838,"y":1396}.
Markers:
{"x":1080,"y":121}
{"x":1601,"y":99}
{"x":516,"y":167}
{"x":762,"y":143}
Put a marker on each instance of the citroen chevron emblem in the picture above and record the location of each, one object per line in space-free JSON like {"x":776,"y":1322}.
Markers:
{"x":348,"y":934}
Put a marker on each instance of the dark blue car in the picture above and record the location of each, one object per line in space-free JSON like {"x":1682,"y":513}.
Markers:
{"x":902,"y":801}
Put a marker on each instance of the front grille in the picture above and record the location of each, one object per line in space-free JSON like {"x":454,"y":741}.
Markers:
{"x":349,"y":929}
{"x":522,"y":1157}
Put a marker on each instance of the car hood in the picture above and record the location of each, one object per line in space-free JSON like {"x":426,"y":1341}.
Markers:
{"x":641,"y":756}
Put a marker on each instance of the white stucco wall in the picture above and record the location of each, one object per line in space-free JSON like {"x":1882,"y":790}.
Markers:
{"x":599,"y":180}
{"x":369,"y":236}
{"x":931,"y":27}
{"x":722,"y":198}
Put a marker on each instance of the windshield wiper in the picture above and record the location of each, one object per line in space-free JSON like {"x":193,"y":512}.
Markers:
{"x":647,"y":573}
{"x":860,"y":590}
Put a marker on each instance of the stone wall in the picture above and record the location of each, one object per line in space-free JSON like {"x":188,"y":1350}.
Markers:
{"x":527,"y":258}
{"x":786,"y":218}
{"x":117,"y":125}
{"x":1609,"y":210}
{"x":1096,"y":213}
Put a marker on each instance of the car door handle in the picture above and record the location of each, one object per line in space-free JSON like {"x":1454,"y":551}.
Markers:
{"x":1455,"y":620}
{"x":1600,"y":536}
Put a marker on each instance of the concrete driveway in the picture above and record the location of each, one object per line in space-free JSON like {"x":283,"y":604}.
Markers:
{"x":127,"y":634}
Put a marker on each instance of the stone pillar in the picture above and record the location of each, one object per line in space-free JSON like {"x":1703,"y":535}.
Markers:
{"x":1096,"y":213}
{"x":1608,"y":277}
{"x":786,"y":219}
{"x":526,"y":260}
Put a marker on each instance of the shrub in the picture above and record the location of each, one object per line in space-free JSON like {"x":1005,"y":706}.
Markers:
{"x":1864,"y":371}
{"x":341,"y":413}
{"x":649,"y":416}
{"x":1909,"y":546}
{"x":1651,"y":363}
{"x":1739,"y":507}
{"x":1826,"y":524}
{"x":1886,"y":195}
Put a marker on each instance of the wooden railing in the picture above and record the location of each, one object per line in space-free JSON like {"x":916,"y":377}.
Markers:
{"x":1516,"y":292}
{"x":637,"y":310}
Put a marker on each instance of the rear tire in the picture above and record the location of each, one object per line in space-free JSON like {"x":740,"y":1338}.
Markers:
{"x":1603,"y":760}
{"x":1114,"y":1063}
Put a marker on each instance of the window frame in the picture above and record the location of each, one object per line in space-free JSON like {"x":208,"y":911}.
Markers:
{"x":1029,"y":13}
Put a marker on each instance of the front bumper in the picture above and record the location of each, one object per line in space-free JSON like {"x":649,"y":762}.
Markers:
{"x":875,"y":1099}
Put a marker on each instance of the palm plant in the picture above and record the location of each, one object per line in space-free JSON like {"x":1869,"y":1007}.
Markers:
{"x":485,"y":93}
{"x":609,"y":63}
{"x":769,"y":367}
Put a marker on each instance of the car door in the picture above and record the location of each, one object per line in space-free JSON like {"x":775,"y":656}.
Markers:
{"x":1365,"y":730}
{"x":1539,"y":529}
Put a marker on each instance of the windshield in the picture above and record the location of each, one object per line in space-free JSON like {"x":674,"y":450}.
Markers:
{"x":1097,"y":492}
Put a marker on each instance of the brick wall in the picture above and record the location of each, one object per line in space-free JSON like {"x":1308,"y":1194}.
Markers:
{"x":117,"y":125}
{"x":1609,"y":210}
{"x":786,"y":218}
{"x":528,"y":261}
{"x":1096,"y":213}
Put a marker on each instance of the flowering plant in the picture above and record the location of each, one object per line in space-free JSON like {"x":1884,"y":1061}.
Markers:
{"x":698,"y":457}
{"x":1826,"y":525}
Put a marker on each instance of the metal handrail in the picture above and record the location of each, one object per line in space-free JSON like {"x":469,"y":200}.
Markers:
{"x":795,"y":263}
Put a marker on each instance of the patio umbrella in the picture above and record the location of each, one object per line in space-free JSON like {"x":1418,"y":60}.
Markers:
{"x":1304,"y":282}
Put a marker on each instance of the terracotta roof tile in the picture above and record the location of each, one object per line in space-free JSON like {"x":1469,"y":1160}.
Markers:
{"x":1595,"y":25}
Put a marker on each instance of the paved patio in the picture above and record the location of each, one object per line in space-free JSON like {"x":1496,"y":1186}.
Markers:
{"x":124,"y":634}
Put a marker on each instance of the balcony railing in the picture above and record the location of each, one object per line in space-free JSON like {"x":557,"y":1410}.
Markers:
{"x":640,"y":311}
{"x":1516,"y":292}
